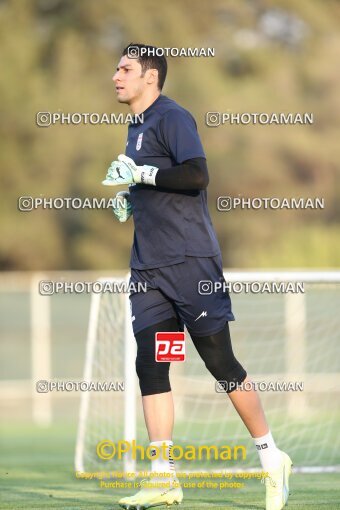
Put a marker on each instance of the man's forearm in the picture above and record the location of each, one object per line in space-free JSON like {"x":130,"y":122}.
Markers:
{"x":189,"y":175}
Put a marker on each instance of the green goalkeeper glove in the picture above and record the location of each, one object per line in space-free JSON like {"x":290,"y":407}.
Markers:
{"x":125,"y":171}
{"x":122,"y":208}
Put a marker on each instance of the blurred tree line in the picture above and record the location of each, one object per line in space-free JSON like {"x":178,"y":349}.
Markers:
{"x":271,"y":56}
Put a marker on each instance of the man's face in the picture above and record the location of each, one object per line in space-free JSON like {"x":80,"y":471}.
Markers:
{"x":130,"y":84}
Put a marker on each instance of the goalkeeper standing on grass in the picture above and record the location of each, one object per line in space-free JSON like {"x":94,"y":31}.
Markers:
{"x":174,"y":247}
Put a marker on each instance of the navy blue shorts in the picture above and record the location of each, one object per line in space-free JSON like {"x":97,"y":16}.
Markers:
{"x":175,"y":291}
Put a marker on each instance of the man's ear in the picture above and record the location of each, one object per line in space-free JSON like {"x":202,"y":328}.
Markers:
{"x":151,"y":76}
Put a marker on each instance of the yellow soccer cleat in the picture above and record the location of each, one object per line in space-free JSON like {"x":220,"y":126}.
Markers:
{"x":150,"y":496}
{"x":277,"y":484}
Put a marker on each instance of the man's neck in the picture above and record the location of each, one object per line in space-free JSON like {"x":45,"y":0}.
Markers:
{"x":141,"y":104}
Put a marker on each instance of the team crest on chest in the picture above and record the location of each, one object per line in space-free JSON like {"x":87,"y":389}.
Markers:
{"x":139,"y":142}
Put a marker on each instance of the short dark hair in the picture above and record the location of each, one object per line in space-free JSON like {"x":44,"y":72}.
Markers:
{"x":148,"y":59}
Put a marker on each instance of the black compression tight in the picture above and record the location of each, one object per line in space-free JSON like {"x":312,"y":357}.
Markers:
{"x":217,"y":353}
{"x":153,"y":376}
{"x":215,"y":350}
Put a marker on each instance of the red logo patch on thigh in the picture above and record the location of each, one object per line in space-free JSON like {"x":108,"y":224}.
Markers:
{"x":170,"y":346}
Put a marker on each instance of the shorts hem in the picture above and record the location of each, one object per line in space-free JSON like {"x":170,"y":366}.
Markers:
{"x":157,"y":265}
{"x":152,"y":323}
{"x":213,"y":331}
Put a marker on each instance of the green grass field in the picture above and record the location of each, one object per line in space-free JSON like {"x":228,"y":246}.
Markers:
{"x":37,"y":473}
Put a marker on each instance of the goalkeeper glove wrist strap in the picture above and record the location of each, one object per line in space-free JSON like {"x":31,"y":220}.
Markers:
{"x":148,"y":176}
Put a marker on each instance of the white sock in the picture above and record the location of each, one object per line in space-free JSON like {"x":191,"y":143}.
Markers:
{"x":164,"y":463}
{"x":270,"y":455}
